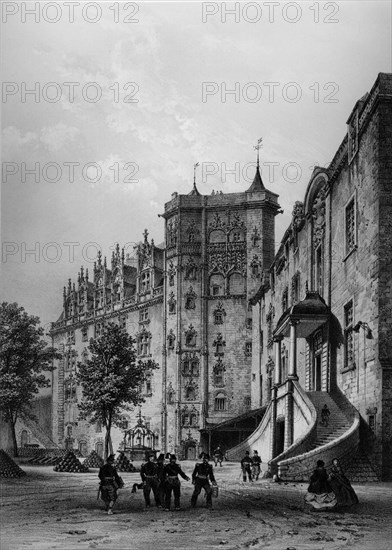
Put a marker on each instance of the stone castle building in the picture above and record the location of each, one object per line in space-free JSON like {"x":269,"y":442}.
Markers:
{"x":322,"y":317}
{"x":187,"y":304}
{"x":251,"y":345}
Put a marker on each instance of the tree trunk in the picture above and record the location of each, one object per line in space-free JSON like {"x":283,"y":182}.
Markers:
{"x":108,"y":440}
{"x":14,"y":442}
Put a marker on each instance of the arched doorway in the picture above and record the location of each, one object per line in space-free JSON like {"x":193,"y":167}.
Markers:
{"x":99,"y":448}
{"x":83,"y":447}
{"x":190,"y":452}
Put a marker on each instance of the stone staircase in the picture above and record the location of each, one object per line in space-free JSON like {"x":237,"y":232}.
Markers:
{"x":338,"y":423}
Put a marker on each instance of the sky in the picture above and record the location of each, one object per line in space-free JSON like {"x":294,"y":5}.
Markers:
{"x":106,"y":107}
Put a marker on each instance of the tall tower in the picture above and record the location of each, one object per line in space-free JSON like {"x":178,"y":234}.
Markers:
{"x":217,"y":247}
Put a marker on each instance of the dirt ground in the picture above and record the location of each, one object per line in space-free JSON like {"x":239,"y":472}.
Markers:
{"x":50,"y":510}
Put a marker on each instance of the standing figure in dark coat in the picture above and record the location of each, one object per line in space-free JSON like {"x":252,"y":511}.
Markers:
{"x":246,"y":465}
{"x":161,"y":480}
{"x":202,"y":475}
{"x":341,"y":486}
{"x":149,"y":475}
{"x":172,"y":483}
{"x":325,"y":414}
{"x":110,"y":482}
{"x":256,"y":468}
{"x":320,"y":494}
{"x":218,"y":456}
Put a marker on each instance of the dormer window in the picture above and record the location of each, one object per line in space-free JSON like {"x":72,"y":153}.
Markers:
{"x":145,"y":281}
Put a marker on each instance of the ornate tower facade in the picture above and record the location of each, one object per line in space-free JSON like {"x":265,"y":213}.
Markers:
{"x":217,"y":248}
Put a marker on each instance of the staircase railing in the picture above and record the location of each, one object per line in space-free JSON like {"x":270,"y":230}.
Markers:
{"x":305,"y":441}
{"x":300,"y":467}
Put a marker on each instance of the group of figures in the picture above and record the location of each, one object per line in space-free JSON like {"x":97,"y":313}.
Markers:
{"x":330,"y":490}
{"x":251,"y":466}
{"x":160,"y":477}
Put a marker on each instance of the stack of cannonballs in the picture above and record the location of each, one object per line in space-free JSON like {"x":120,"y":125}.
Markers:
{"x":123,"y":465}
{"x":9,"y":468}
{"x":93,"y":460}
{"x":70,"y":464}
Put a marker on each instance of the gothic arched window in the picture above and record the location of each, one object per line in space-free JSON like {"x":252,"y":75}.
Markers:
{"x":220,"y":403}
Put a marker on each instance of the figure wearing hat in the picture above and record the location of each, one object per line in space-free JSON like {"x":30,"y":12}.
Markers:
{"x":201,"y":476}
{"x":171,"y":472}
{"x":110,"y":482}
{"x":256,"y":465}
{"x":218,"y":456}
{"x":246,"y":464}
{"x":161,"y":479}
{"x":149,"y":475}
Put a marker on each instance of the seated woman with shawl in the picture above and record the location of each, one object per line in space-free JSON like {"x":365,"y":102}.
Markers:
{"x":341,"y":486}
{"x":320,"y":495}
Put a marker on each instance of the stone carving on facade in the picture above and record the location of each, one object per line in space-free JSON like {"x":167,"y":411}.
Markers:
{"x":190,"y":298}
{"x":144,"y":252}
{"x":235,"y":220}
{"x":219,"y":313}
{"x":217,"y":258}
{"x":255,"y":267}
{"x":171,"y":303}
{"x":192,"y":232}
{"x":218,"y":373}
{"x":236,"y":258}
{"x":216,"y":222}
{"x":270,"y":365}
{"x":318,"y":216}
{"x":172,"y":231}
{"x":171,"y":394}
{"x":190,"y":269}
{"x":170,"y":339}
{"x":219,"y":344}
{"x":191,"y":392}
{"x":255,"y":236}
{"x":298,"y":216}
{"x":295,"y":282}
{"x":285,"y":299}
{"x":171,"y":272}
{"x":190,"y":336}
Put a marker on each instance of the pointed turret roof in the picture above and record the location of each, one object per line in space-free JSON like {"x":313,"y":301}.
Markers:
{"x":257,"y":184}
{"x":194,"y":191}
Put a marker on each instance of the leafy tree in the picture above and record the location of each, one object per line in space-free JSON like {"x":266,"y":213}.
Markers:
{"x":112,"y":380}
{"x":24,"y":356}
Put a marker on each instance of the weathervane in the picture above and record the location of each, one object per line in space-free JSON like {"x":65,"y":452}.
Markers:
{"x":257,"y":148}
{"x":194,"y":172}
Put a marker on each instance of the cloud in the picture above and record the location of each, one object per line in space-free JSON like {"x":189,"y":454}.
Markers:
{"x":14,"y":140}
{"x":55,"y":138}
